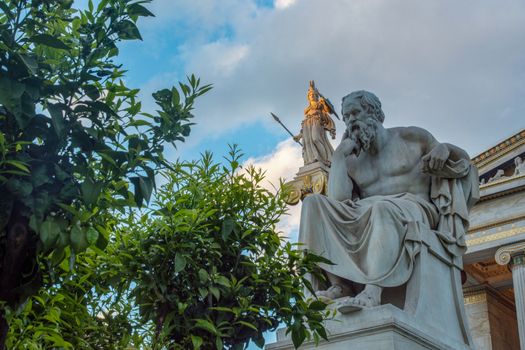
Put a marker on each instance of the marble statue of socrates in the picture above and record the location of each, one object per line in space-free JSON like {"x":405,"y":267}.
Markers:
{"x":384,"y":185}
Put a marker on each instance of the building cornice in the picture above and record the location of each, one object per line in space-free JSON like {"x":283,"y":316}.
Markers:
{"x":499,"y":150}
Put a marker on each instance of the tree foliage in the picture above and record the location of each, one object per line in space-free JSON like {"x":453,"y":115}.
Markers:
{"x":203,"y":268}
{"x":208,"y":267}
{"x":73,"y":136}
{"x":82,"y":313}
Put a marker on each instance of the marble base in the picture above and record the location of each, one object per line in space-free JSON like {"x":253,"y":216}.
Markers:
{"x":379,"y":328}
{"x":312,"y":169}
{"x":311,"y":178}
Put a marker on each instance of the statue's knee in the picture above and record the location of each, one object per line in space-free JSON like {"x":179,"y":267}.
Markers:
{"x":381,"y":206}
{"x":312,"y":201}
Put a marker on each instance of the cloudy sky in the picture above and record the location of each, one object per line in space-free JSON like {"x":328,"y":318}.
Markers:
{"x":456,"y":68}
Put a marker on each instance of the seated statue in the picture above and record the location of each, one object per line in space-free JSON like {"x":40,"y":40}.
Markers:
{"x":385,"y":186}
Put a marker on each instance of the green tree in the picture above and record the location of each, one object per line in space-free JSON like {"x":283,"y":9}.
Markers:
{"x":83,"y":313}
{"x":73,"y":136}
{"x":208,"y":267}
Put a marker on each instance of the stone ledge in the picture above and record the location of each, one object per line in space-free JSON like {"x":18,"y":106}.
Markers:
{"x":382,"y":327}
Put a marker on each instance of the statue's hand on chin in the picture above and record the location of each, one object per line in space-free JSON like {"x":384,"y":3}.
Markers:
{"x":347,"y":147}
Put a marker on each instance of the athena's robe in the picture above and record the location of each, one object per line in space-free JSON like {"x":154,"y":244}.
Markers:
{"x":375,"y":240}
{"x":317,"y":122}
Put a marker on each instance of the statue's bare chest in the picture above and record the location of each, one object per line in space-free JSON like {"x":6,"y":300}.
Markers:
{"x":395,"y":169}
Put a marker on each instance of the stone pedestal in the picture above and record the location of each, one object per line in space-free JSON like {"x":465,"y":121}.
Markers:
{"x":379,"y":328}
{"x":311,"y":178}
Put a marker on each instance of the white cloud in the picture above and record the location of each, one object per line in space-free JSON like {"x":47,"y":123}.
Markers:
{"x":221,"y":58}
{"x":281,"y":4}
{"x":282,"y":163}
{"x":451,"y":67}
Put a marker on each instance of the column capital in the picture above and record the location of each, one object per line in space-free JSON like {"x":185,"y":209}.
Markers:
{"x":505,"y":254}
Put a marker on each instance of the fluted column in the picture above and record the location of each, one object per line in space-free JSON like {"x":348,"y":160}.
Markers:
{"x":514,"y":255}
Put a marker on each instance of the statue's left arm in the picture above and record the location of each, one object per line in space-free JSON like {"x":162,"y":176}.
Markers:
{"x":454,"y":188}
{"x":436,"y":153}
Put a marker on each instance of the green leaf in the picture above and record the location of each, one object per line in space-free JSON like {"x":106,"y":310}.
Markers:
{"x":143,"y":188}
{"x":127,"y":30}
{"x":298,"y":335}
{"x":196,"y":341}
{"x":317,"y":305}
{"x":138,"y":194}
{"x":203,"y":276}
{"x":180,"y":262}
{"x":322,"y":332}
{"x":48,"y":40}
{"x":218,"y":342}
{"x":223,"y":281}
{"x":146,"y":187}
{"x":49,"y":233}
{"x":140,"y":122}
{"x":215,"y":292}
{"x":107,"y":158}
{"x":92,"y":92}
{"x":63,"y":239}
{"x":91,"y":236}
{"x":78,"y":238}
{"x":203,"y":292}
{"x":98,"y":106}
{"x":90,"y":191}
{"x":30,"y":63}
{"x":18,"y":164}
{"x":259,"y":341}
{"x":249,"y":325}
{"x":10,"y":96}
{"x":101,"y":5}
{"x":207,"y":326}
{"x":175,"y":96}
{"x":227,"y":227}
{"x":57,"y":119}
{"x":221,"y":308}
{"x":139,"y":10}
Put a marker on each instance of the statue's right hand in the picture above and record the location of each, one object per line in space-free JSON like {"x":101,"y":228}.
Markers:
{"x":348,"y":147}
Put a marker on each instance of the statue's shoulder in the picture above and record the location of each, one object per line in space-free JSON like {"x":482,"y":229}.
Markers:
{"x":413,"y":134}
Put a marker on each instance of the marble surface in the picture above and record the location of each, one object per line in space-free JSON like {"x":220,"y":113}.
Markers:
{"x":492,"y":321}
{"x":379,"y":328}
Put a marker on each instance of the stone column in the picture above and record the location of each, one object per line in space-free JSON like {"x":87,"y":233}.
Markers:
{"x":514,"y":255}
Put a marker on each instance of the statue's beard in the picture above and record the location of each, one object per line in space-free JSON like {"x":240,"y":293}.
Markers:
{"x":366,"y":135}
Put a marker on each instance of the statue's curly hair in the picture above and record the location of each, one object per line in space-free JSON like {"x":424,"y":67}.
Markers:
{"x":369,"y":102}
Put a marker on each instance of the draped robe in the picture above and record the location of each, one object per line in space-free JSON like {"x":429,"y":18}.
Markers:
{"x":375,"y":240}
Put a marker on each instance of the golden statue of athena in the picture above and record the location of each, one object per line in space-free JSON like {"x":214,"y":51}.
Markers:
{"x":316,"y":123}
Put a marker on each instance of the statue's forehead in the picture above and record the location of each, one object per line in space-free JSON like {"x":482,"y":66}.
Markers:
{"x":350,"y":103}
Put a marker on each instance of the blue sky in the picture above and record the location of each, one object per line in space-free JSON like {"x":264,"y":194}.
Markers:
{"x":433,"y":64}
{"x":454,"y":68}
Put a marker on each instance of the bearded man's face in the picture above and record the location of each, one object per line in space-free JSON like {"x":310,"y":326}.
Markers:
{"x":360,"y":124}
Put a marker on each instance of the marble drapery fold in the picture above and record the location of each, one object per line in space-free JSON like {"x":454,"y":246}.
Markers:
{"x":317,"y":122}
{"x":375,"y":240}
{"x":454,"y":190}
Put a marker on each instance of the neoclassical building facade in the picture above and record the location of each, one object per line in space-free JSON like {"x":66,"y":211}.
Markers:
{"x":494,"y":265}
